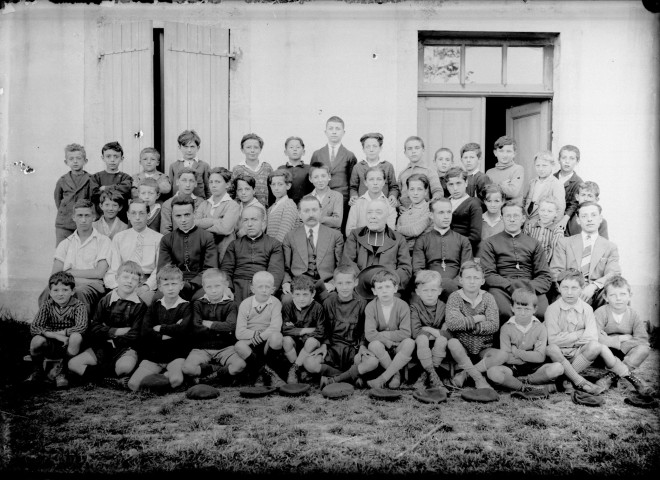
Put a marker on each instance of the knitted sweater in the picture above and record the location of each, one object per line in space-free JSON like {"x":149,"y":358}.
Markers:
{"x":221,"y":333}
{"x":250,"y":321}
{"x":344,"y":320}
{"x":389,"y":332}
{"x":459,"y":308}
{"x":51,"y":317}
{"x":466,"y":220}
{"x":414,"y":221}
{"x":424,"y":316}
{"x":358,"y":184}
{"x":282,"y":218}
{"x":609,"y":330}
{"x":261,"y":178}
{"x":531,"y":343}
{"x":511,"y":178}
{"x":201,"y":169}
{"x":164,"y":185}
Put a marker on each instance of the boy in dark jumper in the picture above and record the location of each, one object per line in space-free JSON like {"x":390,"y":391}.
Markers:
{"x":112,"y":156}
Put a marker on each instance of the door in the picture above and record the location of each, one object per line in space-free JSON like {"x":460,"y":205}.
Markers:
{"x":530,"y":126}
{"x":451,"y":122}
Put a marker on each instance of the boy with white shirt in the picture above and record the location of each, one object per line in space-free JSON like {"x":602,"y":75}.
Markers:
{"x":542,"y":186}
{"x":357,"y":216}
{"x":569,"y":157}
{"x":332,"y":202}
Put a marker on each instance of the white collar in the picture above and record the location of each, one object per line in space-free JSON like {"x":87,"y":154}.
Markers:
{"x":114,"y":296}
{"x":474,"y":302}
{"x":474,"y":172}
{"x":492,"y":224}
{"x":244,"y":163}
{"x":591,"y":240}
{"x":178,"y":302}
{"x":225,"y":198}
{"x":366,"y":195}
{"x":441,"y":232}
{"x":578,"y":307}
{"x":314,"y":229}
{"x":224,"y":297}
{"x":526,"y":328}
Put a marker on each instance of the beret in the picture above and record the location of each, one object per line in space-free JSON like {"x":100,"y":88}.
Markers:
{"x":338,"y":390}
{"x":156,"y":383}
{"x":294,"y":389}
{"x":641,"y":401}
{"x":431,"y":395}
{"x":384,"y":394}
{"x":482,"y":395}
{"x":202,"y":392}
{"x":583,"y":398}
{"x":256,"y":392}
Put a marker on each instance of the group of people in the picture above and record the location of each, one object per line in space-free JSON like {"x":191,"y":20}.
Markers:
{"x":257,"y":273}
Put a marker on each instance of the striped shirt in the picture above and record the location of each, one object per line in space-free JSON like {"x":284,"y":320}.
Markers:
{"x":548,"y":237}
{"x":52,"y":317}
{"x":459,"y":308}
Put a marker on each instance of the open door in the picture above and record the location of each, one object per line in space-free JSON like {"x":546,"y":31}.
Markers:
{"x":530,"y":126}
{"x":451,"y":122}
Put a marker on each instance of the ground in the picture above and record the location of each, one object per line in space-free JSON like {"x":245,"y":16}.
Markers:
{"x":93,"y":429}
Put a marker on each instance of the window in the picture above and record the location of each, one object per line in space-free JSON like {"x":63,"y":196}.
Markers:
{"x":467,"y":62}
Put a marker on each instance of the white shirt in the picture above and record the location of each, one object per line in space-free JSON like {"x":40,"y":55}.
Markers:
{"x":523,"y":328}
{"x":225,"y":198}
{"x":456,"y":203}
{"x":114,"y":296}
{"x":123,"y":249}
{"x":591,"y":241}
{"x":314,"y":229}
{"x":77,"y":255}
{"x":178,"y":302}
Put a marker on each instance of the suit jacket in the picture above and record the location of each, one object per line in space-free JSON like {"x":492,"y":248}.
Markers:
{"x":571,"y":188}
{"x":604,"y":258}
{"x":340,"y":170}
{"x":329,"y":248}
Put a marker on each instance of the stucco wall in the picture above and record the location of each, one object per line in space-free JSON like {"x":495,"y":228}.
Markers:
{"x":299,"y":64}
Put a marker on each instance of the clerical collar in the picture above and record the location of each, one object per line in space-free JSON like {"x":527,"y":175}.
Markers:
{"x":375,"y":239}
{"x":186,"y":231}
{"x":513,"y":234}
{"x":443,"y":231}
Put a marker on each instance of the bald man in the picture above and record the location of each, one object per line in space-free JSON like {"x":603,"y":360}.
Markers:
{"x":252,"y":253}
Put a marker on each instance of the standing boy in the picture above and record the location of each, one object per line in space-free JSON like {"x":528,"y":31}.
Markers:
{"x":587,"y":192}
{"x":569,"y":157}
{"x":282,"y":214}
{"x":413,"y":148}
{"x":112,"y":155}
{"x":506,"y":173}
{"x":357,"y":217}
{"x":294,"y":149}
{"x":476,"y":180}
{"x":332,"y":202}
{"x":189,"y":142}
{"x":186,"y":183}
{"x":148,"y":192}
{"x":149,"y":160}
{"x":544,"y":185}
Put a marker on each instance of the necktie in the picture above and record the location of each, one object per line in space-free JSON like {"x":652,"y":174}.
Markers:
{"x":332,"y":155}
{"x":586,"y":259}
{"x":310,"y":239}
{"x":139,"y":245}
{"x":259,"y":307}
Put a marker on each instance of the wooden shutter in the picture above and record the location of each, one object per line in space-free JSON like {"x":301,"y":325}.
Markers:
{"x":197,"y":90}
{"x":127,"y":75}
{"x":530,"y":127}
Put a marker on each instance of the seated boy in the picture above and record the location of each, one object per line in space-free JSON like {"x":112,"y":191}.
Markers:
{"x":620,"y":328}
{"x":113,"y":332}
{"x":302,"y":324}
{"x":57,"y":329}
{"x":344,"y":356}
{"x":524,"y":339}
{"x":214,"y":324}
{"x":111,"y":204}
{"x":149,"y":160}
{"x":165,"y":332}
{"x":186,"y":183}
{"x":149,"y":192}
{"x":587,"y":192}
{"x":387,"y":329}
{"x":427,"y":318}
{"x":545,"y":228}
{"x":258,"y":329}
{"x":472,"y":319}
{"x":573,"y":338}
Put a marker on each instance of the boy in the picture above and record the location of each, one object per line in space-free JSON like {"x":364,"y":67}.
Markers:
{"x":620,"y":328}
{"x":506,"y":173}
{"x":252,"y":253}
{"x":466,"y":211}
{"x":189,"y":143}
{"x":387,"y":329}
{"x":332,"y":202}
{"x":71,"y":187}
{"x":244,"y":187}
{"x":109,"y":225}
{"x":444,"y":160}
{"x":112,"y":155}
{"x":524,"y":339}
{"x":441,"y":249}
{"x":165,"y":331}
{"x":544,"y":228}
{"x":214,"y":324}
{"x":573,"y":338}
{"x":186,"y":183}
{"x":339,"y":160}
{"x":294,"y":149}
{"x":415,"y":220}
{"x":493,"y":198}
{"x":427,"y":317}
{"x":476,"y":180}
{"x":471,"y":318}
{"x":357,"y":217}
{"x":57,"y":328}
{"x":149,"y":160}
{"x":413,"y":148}
{"x":544,"y":185}
{"x":140,"y":245}
{"x":149,"y":192}
{"x":251,"y":146}
{"x":113,"y":332}
{"x":302,"y":324}
{"x":372,"y":144}
{"x":569,"y":157}
{"x":85,"y":255}
{"x":283,"y":213}
{"x":258,"y":329}
{"x":344,"y":356}
{"x":587,"y":192}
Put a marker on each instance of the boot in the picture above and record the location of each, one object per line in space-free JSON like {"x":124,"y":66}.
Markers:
{"x":292,"y":377}
{"x":434,"y":380}
{"x":272,"y":377}
{"x":54,"y":369}
{"x":420,"y":384}
{"x":607,"y":380}
{"x":325,"y":381}
{"x":639,"y":384}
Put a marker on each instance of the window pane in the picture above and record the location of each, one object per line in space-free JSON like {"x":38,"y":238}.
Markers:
{"x":442,"y":64}
{"x":524,"y":65}
{"x":483,"y":64}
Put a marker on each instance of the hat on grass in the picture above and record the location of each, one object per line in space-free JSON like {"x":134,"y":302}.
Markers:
{"x":256,"y":392}
{"x":155,"y":383}
{"x":584,"y":398}
{"x":641,"y":401}
{"x":431,"y":395}
{"x":536,"y":394}
{"x":202,"y":392}
{"x":338,"y":390}
{"x":482,"y":395}
{"x":384,"y":394}
{"x":295,"y":389}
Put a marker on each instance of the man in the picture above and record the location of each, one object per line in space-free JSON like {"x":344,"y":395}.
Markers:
{"x":512,"y":255}
{"x":312,"y":249}
{"x":188,"y":247}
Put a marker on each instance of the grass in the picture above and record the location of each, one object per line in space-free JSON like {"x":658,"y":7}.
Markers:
{"x":85,"y":430}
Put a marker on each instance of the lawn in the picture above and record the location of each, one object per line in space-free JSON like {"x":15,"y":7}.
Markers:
{"x":98,"y":430}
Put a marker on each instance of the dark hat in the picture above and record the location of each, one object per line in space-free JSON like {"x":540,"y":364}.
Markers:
{"x":202,"y":392}
{"x":155,"y":383}
{"x":256,"y":392}
{"x":584,"y":398}
{"x":536,"y":394}
{"x":431,"y":395}
{"x":294,"y":389}
{"x":384,"y":394}
{"x":338,"y":390}
{"x":482,"y":395}
{"x":641,"y":401}
{"x":364,"y":287}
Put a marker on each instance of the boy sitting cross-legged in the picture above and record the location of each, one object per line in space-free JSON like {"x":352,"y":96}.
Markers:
{"x":573,"y":338}
{"x":427,"y":317}
{"x":524,"y":338}
{"x":302,"y":324}
{"x":344,"y":356}
{"x":113,"y":332}
{"x":214,"y":324}
{"x":258,"y":329}
{"x":387,"y":328}
{"x":165,"y":331}
{"x":472,"y":318}
{"x":57,"y":329}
